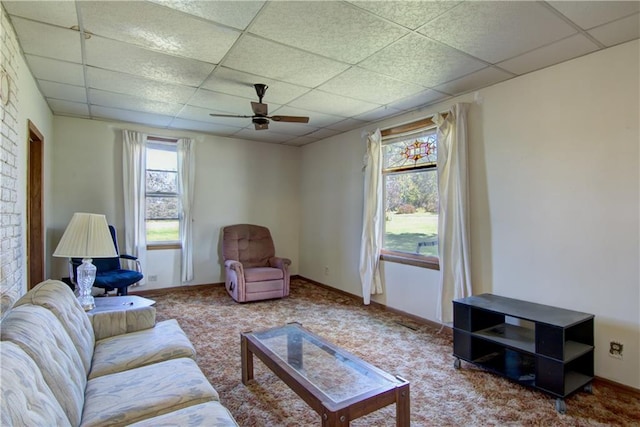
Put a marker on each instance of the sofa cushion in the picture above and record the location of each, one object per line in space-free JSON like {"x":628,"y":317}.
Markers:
{"x":165,"y":341}
{"x":210,"y":414}
{"x":110,"y":323}
{"x":58,"y":298}
{"x":137,"y":394}
{"x":26,"y":398}
{"x":261,"y":274}
{"x":41,"y":335}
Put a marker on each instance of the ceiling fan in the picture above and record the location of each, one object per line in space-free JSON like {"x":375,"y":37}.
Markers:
{"x":261,"y":117}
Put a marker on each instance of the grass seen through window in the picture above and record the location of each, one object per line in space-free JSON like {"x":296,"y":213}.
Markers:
{"x":403,"y":232}
{"x":163,"y":231}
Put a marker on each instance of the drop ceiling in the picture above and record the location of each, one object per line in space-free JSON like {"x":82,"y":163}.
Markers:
{"x":170,"y":63}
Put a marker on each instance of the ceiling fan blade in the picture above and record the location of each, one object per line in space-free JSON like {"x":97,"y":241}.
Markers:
{"x":294,"y":119}
{"x":259,"y":109}
{"x":230,"y":115}
{"x":261,"y":126}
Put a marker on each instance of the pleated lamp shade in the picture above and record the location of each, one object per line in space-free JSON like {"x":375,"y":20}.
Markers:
{"x":86,"y":236}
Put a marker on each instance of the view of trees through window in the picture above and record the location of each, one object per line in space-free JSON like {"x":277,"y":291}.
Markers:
{"x":411,"y":195}
{"x":162,"y":201}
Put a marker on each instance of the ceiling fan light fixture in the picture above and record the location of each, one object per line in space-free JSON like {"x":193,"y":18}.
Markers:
{"x":261,"y":88}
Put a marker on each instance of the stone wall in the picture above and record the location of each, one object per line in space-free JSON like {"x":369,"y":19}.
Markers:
{"x":12,"y":283}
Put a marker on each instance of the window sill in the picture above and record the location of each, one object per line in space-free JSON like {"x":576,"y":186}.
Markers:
{"x":161,"y":246}
{"x":430,"y":262}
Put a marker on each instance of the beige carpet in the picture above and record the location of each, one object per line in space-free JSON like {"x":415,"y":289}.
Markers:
{"x":440,"y":394}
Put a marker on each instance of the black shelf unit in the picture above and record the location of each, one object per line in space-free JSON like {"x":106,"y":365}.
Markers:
{"x":547,"y":348}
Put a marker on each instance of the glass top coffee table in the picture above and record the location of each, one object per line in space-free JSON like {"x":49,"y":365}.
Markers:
{"x":335,"y":383}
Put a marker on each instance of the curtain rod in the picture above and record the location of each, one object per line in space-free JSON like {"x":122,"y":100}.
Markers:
{"x":161,"y":139}
{"x":409,"y":127}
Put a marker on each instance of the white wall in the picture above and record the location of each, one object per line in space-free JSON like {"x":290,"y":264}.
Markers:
{"x":236,"y":181}
{"x":553,"y":164}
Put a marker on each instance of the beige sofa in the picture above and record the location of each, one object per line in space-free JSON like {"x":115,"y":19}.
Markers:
{"x":136,"y":372}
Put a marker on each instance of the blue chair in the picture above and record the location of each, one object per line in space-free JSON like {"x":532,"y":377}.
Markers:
{"x":110,"y":275}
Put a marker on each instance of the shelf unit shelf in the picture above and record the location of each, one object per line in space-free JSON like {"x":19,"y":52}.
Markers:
{"x":512,"y":336}
{"x":553,"y":351}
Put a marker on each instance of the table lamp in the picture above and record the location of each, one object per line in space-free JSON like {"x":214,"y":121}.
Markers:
{"x":87,"y":236}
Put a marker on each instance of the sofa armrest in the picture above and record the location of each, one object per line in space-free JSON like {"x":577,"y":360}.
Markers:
{"x":281,"y":263}
{"x":112,"y":323}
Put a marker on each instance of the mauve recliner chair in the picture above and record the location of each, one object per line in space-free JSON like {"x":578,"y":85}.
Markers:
{"x":252,"y":270}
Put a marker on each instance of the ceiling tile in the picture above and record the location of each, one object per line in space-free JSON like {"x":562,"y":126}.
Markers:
{"x":68,"y":108}
{"x":127,"y":58}
{"x":223,"y":102}
{"x":411,"y":14}
{"x":563,"y":50}
{"x":62,"y":13}
{"x":323,"y":133}
{"x":114,"y":81}
{"x":233,"y":82}
{"x":332,"y":29}
{"x":57,"y":71}
{"x":479,"y":79}
{"x":369,"y":86}
{"x":263,"y":136}
{"x":162,"y":29}
{"x":421,"y":99}
{"x":133,"y":103}
{"x":237,"y":14}
{"x":618,"y":32}
{"x":329,"y":103}
{"x":589,"y":14}
{"x":347,"y":125}
{"x":258,"y":56}
{"x":378,"y":114}
{"x":129,"y":116}
{"x":497,"y":30}
{"x":48,"y":41}
{"x":420,"y":60}
{"x":63,"y":91}
{"x":203,"y":127}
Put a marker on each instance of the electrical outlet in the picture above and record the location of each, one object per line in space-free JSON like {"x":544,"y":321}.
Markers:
{"x":615,"y":349}
{"x":326,"y":270}
{"x":153,"y":278}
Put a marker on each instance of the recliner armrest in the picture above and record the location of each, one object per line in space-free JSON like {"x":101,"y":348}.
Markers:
{"x":235,"y":266}
{"x":278,"y":262}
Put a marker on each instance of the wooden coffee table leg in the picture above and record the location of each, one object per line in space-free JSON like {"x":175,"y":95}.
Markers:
{"x":403,"y":406}
{"x":247,"y":360}
{"x":335,"y":419}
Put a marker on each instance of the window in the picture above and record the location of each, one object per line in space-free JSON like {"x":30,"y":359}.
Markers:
{"x":162,"y":200}
{"x":410,"y":181}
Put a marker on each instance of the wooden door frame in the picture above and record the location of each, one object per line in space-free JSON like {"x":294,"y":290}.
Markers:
{"x":35,"y":210}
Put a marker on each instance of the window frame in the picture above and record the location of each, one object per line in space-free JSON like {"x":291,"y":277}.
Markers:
{"x":417,"y":260}
{"x":152,"y":142}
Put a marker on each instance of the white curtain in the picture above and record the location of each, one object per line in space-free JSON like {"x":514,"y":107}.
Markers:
{"x":453,"y":215}
{"x":133,"y":182}
{"x":186,"y":179}
{"x":372,"y":217}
